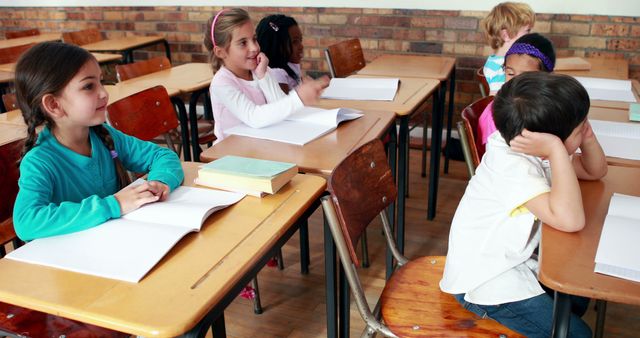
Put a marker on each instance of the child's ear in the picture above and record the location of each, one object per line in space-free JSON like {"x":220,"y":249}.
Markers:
{"x":51,"y":106}
{"x":219,"y":52}
{"x":504,"y":34}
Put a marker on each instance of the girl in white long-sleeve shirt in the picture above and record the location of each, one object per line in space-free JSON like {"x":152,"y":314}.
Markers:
{"x":242,"y":91}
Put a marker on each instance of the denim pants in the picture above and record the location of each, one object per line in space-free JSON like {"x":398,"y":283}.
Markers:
{"x":532,"y":317}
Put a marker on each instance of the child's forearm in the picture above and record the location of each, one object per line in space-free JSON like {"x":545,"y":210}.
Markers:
{"x":592,"y":161}
{"x":565,"y":198}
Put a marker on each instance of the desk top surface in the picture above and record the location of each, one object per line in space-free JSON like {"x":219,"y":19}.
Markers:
{"x":193,"y":277}
{"x":425,"y":66}
{"x":44,"y":37}
{"x":567,"y":260}
{"x":122,"y":44}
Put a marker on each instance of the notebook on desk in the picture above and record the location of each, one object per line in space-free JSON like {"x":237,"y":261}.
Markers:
{"x":127,"y":248}
{"x":362,"y":89}
{"x":302,"y":127}
{"x":607,"y":89}
{"x":618,"y":250}
{"x":618,"y":139}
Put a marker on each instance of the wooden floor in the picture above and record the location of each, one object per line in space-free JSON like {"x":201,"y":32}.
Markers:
{"x":294,"y":303}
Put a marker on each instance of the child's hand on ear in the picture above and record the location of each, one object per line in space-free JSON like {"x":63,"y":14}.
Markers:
{"x":309,"y":90}
{"x":587,"y":134}
{"x":131,"y":198}
{"x":159,"y":189}
{"x":537,"y":144}
{"x":261,"y":69}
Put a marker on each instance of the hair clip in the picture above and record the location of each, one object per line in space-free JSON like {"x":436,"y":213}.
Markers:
{"x":274,"y":26}
{"x":113,"y":153}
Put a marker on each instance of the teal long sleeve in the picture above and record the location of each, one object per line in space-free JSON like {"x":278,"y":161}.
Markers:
{"x":63,"y":192}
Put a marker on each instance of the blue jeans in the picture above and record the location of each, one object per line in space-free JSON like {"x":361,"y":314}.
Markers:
{"x":532,"y":317}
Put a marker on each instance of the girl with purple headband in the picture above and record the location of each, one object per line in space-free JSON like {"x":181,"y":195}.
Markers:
{"x":242,"y":90}
{"x":530,"y":53}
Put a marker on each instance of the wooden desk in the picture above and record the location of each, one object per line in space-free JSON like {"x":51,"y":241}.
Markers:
{"x":126,"y":45}
{"x":605,"y":68}
{"x":13,"y":117}
{"x":100,"y":57}
{"x":189,"y":78}
{"x":320,"y":156}
{"x":567,"y":260}
{"x":44,"y":37}
{"x":412,"y":95}
{"x":431,"y":67}
{"x":11,"y":132}
{"x":190,"y":286}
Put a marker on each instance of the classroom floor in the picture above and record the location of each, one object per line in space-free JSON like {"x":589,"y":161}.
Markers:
{"x":294,"y":303}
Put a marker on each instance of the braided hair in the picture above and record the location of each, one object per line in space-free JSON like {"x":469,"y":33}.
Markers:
{"x":275,"y":42}
{"x":47,"y":68}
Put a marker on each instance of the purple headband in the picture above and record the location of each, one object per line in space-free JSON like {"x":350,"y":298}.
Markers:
{"x":525,"y":48}
{"x":213,"y":25}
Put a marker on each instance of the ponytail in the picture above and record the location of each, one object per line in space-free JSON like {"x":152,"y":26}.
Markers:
{"x":107,"y":140}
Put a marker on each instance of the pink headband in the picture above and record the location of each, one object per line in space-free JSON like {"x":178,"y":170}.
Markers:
{"x":213,"y":25}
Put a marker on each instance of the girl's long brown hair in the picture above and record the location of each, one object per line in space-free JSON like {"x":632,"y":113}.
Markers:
{"x":47,"y":68}
{"x":226,"y":23}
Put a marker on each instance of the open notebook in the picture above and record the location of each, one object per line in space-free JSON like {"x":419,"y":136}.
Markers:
{"x":607,"y":89}
{"x":618,"y":251}
{"x":300,"y":128}
{"x":618,"y":139}
{"x":128,"y":247}
{"x":360,"y":88}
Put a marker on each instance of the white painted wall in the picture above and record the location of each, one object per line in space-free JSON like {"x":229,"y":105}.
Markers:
{"x":600,"y":7}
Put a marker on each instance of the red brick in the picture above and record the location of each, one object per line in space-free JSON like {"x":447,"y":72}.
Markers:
{"x":631,"y":45}
{"x":340,"y":10}
{"x":466,"y":36}
{"x":408,"y":34}
{"x":461,"y":23}
{"x":426,"y":47}
{"x":93,"y":15}
{"x":561,"y":17}
{"x":570,"y":28}
{"x":604,"y":55}
{"x":190,"y":27}
{"x":442,"y":13}
{"x":125,"y":26}
{"x":440,"y":35}
{"x":346,"y":31}
{"x":565,"y":52}
{"x":470,"y":62}
{"x":176,"y":16}
{"x":375,"y":32}
{"x":559,"y":41}
{"x":167,"y":27}
{"x":395,"y":21}
{"x":316,"y":30}
{"x":581,"y":18}
{"x":601,"y":18}
{"x":427,"y":22}
{"x":635,"y":31}
{"x":364,"y":20}
{"x":603,"y":29}
{"x":544,"y":17}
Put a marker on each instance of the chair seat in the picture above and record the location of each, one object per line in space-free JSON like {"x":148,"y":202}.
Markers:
{"x":412,"y":305}
{"x":21,"y":322}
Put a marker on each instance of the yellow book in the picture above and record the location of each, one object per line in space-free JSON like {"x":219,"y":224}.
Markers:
{"x":246,"y":175}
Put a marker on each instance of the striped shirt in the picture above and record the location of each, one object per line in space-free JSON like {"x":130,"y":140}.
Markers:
{"x":494,"y":72}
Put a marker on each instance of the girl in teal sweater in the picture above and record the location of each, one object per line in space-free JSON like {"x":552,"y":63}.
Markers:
{"x":73,"y":174}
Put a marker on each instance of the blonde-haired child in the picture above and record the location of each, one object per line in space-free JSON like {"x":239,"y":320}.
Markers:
{"x":506,"y":22}
{"x":242,"y":90}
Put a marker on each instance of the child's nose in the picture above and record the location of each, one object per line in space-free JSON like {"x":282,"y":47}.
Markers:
{"x":254,"y":46}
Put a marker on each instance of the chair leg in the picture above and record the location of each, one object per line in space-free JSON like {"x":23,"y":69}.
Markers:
{"x":423,"y":172}
{"x":304,"y":247}
{"x":406,"y":182}
{"x":601,"y":308}
{"x":365,"y":249}
{"x":257,"y":306}
{"x":280,"y":260}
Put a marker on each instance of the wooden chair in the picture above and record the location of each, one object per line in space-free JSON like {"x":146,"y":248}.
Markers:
{"x":11,"y":54}
{"x":345,"y":58}
{"x":411,"y":305}
{"x":17,"y":321}
{"x":10,"y":102}
{"x":22,"y":33}
{"x":140,"y":68}
{"x":482,"y":82}
{"x":472,"y":146}
{"x":83,"y":37}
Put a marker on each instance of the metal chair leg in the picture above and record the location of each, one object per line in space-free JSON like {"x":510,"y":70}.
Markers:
{"x":280,"y":260}
{"x":257,"y":307}
{"x":365,"y":250}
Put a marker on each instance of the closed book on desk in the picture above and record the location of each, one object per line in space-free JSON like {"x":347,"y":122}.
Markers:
{"x":301,"y":127}
{"x":618,"y":251}
{"x":362,"y":89}
{"x":128,"y":247}
{"x":245,"y":174}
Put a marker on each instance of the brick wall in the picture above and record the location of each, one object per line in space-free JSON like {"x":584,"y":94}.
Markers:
{"x":455,"y":33}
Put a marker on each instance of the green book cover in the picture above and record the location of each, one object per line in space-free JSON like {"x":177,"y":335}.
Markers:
{"x":634,"y":112}
{"x":245,"y":166}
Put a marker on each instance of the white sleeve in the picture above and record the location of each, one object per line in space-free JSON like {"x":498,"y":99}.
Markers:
{"x":271,"y":88}
{"x":258,"y":116}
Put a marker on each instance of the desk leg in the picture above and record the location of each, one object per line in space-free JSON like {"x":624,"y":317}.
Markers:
{"x":304,"y":246}
{"x":184,"y":126}
{"x":452,"y":89}
{"x":3,"y":90}
{"x":193,"y":122}
{"x":436,"y":143}
{"x":403,"y":162}
{"x":561,"y":315}
{"x":200,"y":330}
{"x":167,"y":49}
{"x":391,"y":211}
{"x":218,"y":328}
{"x":601,"y":306}
{"x":345,"y":303}
{"x":331,"y":291}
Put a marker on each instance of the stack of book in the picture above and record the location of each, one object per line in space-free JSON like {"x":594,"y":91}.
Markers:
{"x":246,"y":175}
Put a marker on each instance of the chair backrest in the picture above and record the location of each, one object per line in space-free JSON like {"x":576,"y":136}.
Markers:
{"x":132,"y":70}
{"x":11,"y":54}
{"x":9,"y":157}
{"x":482,"y":82}
{"x":470,"y":116}
{"x":361,"y":187}
{"x":145,"y":115}
{"x":20,"y":34}
{"x":345,"y":58}
{"x":468,"y":150}
{"x":83,"y":37}
{"x":10,"y":102}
